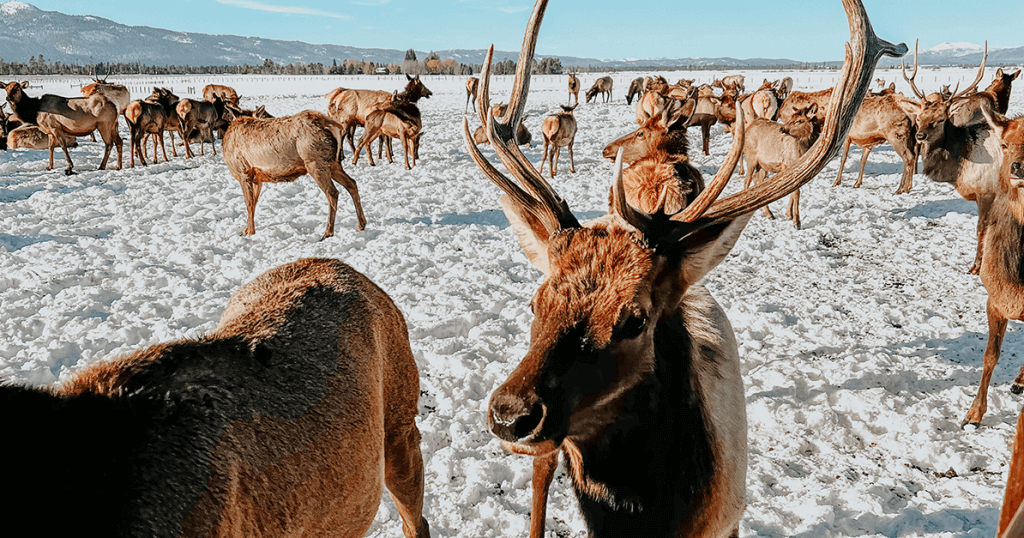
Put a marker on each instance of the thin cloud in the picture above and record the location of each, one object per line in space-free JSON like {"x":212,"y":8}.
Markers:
{"x":513,"y":9}
{"x":291,"y":10}
{"x":373,"y":3}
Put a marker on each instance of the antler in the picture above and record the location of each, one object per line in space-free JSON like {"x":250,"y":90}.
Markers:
{"x":917,"y":92}
{"x":981,"y":73}
{"x":541,"y":199}
{"x":862,"y":54}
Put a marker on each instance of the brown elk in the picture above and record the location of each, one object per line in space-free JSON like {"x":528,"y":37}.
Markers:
{"x":225,"y":93}
{"x":632,"y":370}
{"x":399,"y":119}
{"x":773,"y":147}
{"x":734,"y":82}
{"x":32,"y":137}
{"x":350,"y":107}
{"x":957,"y":146}
{"x":783,"y":88}
{"x":763,"y":103}
{"x":1011,"y":516}
{"x":61,"y":117}
{"x":1002,"y":268}
{"x":172,"y":122}
{"x":150,"y":118}
{"x":279,"y":150}
{"x":471,"y":85}
{"x":704,"y":115}
{"x":636,"y":89}
{"x":601,"y":86}
{"x":201,"y":117}
{"x":288,"y":419}
{"x":116,"y":93}
{"x":799,"y":102}
{"x":523,"y":136}
{"x":1000,"y":88}
{"x":574,"y":88}
{"x":883,"y":118}
{"x":559,"y":131}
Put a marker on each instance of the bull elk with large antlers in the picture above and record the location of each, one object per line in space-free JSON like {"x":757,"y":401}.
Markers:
{"x":632,"y":370}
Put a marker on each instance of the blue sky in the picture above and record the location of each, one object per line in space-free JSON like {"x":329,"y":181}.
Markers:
{"x":798,"y":30}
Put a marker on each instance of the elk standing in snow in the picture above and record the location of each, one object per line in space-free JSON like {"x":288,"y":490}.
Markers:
{"x":636,"y":89}
{"x":399,"y":119}
{"x":559,"y":131}
{"x":202,"y":117}
{"x":150,"y":118}
{"x":883,"y":118}
{"x":288,"y":419}
{"x":350,"y":107}
{"x":773,"y":147}
{"x":632,"y":370}
{"x":574,"y":88}
{"x":603,"y":86}
{"x":523,"y":136}
{"x":471,"y":85}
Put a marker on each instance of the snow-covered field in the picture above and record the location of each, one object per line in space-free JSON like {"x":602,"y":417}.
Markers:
{"x":861,"y":334}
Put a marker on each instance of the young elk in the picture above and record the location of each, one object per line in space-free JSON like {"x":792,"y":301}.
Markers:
{"x":775,"y":148}
{"x":632,"y":370}
{"x":636,"y":89}
{"x":574,"y":88}
{"x":883,"y":118}
{"x":559,"y":131}
{"x":399,"y":119}
{"x":350,"y":107}
{"x":603,"y":86}
{"x":1002,"y":268}
{"x":150,"y":118}
{"x":61,"y":118}
{"x":200,"y":116}
{"x":958,"y":146}
{"x":287,"y":420}
{"x":471,"y":85}
{"x":278,"y":150}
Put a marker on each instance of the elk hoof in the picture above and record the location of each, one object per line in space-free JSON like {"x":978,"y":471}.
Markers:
{"x":69,"y":172}
{"x":1017,"y":389}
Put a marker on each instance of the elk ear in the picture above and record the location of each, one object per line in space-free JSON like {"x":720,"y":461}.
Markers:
{"x":682,"y":113}
{"x":533,"y":237}
{"x":1015,"y":75}
{"x":706,"y":248}
{"x":407,"y":77}
{"x":24,"y":85}
{"x":999,"y":73}
{"x":812,"y":110}
{"x":996,"y":121}
{"x":910,"y":108}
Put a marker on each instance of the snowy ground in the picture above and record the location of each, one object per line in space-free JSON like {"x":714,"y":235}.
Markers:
{"x":861,"y":334}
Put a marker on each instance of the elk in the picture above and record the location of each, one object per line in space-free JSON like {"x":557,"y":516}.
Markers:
{"x":201,"y":116}
{"x":287,"y":419}
{"x":733,"y":81}
{"x":632,"y":370}
{"x":116,"y":93}
{"x":958,"y":148}
{"x":636,"y":89}
{"x":1002,"y":268}
{"x":1011,"y":516}
{"x":399,"y":119}
{"x":574,"y":88}
{"x":797,"y":102}
{"x":32,"y":137}
{"x":61,"y":117}
{"x":278,"y":150}
{"x":659,"y":96}
{"x":783,"y":88}
{"x":471,"y":85}
{"x":225,"y":93}
{"x":172,"y":123}
{"x":603,"y":86}
{"x":559,"y":131}
{"x":704,"y":114}
{"x":883,"y":118}
{"x":1000,"y":88}
{"x":774,"y":147}
{"x":150,"y":118}
{"x":350,"y":107}
{"x":763,"y":103}
{"x":523,"y":136}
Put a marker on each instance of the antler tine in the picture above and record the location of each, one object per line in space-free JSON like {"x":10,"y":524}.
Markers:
{"x":636,"y":218}
{"x":862,"y":54}
{"x":981,"y":73}
{"x":917,"y":92}
{"x":517,"y":102}
{"x":721,"y":179}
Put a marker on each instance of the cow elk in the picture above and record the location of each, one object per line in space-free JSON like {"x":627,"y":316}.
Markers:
{"x":115,"y":93}
{"x":883,"y":118}
{"x":288,"y":419}
{"x":62,"y":117}
{"x":957,"y":146}
{"x":279,"y":150}
{"x":601,"y":86}
{"x":224,"y":93}
{"x":636,"y":89}
{"x":523,"y":136}
{"x":734,"y":82}
{"x":399,"y":119}
{"x":152,"y":119}
{"x":471,"y":85}
{"x":1000,"y":88}
{"x":800,"y":102}
{"x":763,"y":103}
{"x":1002,"y":268}
{"x":201,"y":118}
{"x":632,"y":370}
{"x":32,"y":137}
{"x":574,"y":88}
{"x":559,"y":131}
{"x":704,"y":115}
{"x":783,"y":88}
{"x":350,"y":107}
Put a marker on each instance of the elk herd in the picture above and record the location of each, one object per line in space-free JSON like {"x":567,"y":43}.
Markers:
{"x":299,"y":408}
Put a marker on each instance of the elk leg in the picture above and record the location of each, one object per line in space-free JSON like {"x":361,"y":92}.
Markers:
{"x":213,"y":141}
{"x":343,"y":179}
{"x":996,"y":331}
{"x":793,"y":210}
{"x":984,"y":203}
{"x":909,"y":166}
{"x":1014,"y":480}
{"x":67,"y":155}
{"x":556,"y":152}
{"x":162,"y":146}
{"x":390,"y":150}
{"x":543,"y":471}
{"x":863,"y":163}
{"x":322,"y":174}
{"x":543,"y":157}
{"x":572,"y":162}
{"x":405,"y":149}
{"x":174,"y":150}
{"x":251,"y":193}
{"x":761,"y":176}
{"x":705,"y":131}
{"x":184,"y":139}
{"x":403,"y":476}
{"x":842,"y":162}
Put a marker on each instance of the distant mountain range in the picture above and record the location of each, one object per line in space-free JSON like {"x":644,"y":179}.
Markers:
{"x":27,"y":31}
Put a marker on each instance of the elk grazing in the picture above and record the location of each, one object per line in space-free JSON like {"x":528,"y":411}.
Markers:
{"x":471,"y":85}
{"x":62,"y":117}
{"x":574,"y":88}
{"x":1002,"y":268}
{"x":636,"y":89}
{"x":883,"y":118}
{"x":1000,"y":88}
{"x":559,"y":131}
{"x":957,"y":146}
{"x":202,"y":117}
{"x":398,"y":119}
{"x":288,"y":419}
{"x":280,"y":150}
{"x":632,"y":370}
{"x":150,"y":118}
{"x":523,"y":136}
{"x":603,"y":86}
{"x":350,"y":107}
{"x":704,"y":115}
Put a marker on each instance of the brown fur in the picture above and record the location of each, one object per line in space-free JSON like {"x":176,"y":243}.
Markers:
{"x":559,"y":131}
{"x":636,"y":89}
{"x":150,"y":117}
{"x":172,"y":123}
{"x":351,"y":107}
{"x":882,"y":118}
{"x":733,"y":82}
{"x":32,"y":137}
{"x":601,"y":86}
{"x":574,"y":88}
{"x":771,"y":147}
{"x":523,"y":136}
{"x":399,"y":119}
{"x":1002,"y":268}
{"x":259,"y":151}
{"x":225,"y":93}
{"x":1014,"y":495}
{"x":472,"y":83}
{"x":61,"y":117}
{"x":201,"y":116}
{"x":802,"y":101}
{"x":1000,"y":87}
{"x":320,"y":471}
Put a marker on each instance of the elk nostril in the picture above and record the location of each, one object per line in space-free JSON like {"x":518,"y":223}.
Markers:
{"x":512,"y":421}
{"x":526,"y":424}
{"x":1015,"y":169}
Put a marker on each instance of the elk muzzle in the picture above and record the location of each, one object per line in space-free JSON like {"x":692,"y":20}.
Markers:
{"x":1017,"y":170}
{"x":514,"y":417}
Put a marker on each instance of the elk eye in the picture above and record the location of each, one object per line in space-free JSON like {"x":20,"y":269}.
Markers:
{"x":633,"y":327}
{"x":640,"y":135}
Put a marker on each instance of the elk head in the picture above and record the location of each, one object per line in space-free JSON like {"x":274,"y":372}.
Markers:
{"x":1011,"y":174}
{"x":611,"y":284}
{"x":653,"y":135}
{"x":932,"y":112}
{"x":415,"y":89}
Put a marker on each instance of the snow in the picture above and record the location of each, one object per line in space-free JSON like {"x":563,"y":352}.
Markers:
{"x":861,"y":335}
{"x":947,"y":46}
